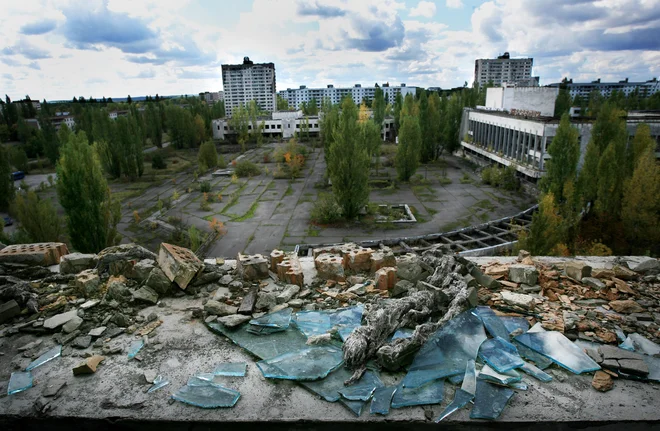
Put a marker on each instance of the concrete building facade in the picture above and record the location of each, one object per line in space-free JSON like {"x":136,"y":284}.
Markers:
{"x":249,"y":81}
{"x":296,"y":96}
{"x":211,"y":97}
{"x":530,"y":99}
{"x":583,"y":89}
{"x":504,"y":69}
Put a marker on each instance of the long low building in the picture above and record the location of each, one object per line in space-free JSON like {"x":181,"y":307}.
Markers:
{"x":296,"y":96}
{"x":521,"y":141}
{"x":286,"y":124}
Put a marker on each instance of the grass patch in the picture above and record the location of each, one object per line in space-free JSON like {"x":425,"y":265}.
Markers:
{"x":312,"y":231}
{"x":249,"y":214}
{"x":484,"y":204}
{"x":466,"y":179}
{"x":444,"y":181}
{"x":289,"y":191}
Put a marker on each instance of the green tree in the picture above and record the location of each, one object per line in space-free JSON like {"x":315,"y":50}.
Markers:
{"x":547,"y":230}
{"x":239,"y":123}
{"x":641,"y":205}
{"x":328,"y":124}
{"x":38,"y":218}
{"x":378,"y":106}
{"x":641,"y":143}
{"x":434,"y":124}
{"x":563,"y":102}
{"x":207,"y":156}
{"x":6,"y":183}
{"x":154,"y":125}
{"x":348,"y":163}
{"x":91,"y":214}
{"x":200,"y":129}
{"x":565,"y":153}
{"x":51,"y":139}
{"x":282,"y":103}
{"x":398,"y":105}
{"x":410,"y":141}
{"x":19,"y":159}
{"x":370,"y":139}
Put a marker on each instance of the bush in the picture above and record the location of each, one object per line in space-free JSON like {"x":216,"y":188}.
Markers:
{"x":221,"y":162}
{"x":205,"y":187}
{"x":500,"y":177}
{"x":207,"y":156}
{"x":158,"y":162}
{"x":246,"y":168}
{"x":19,"y":159}
{"x":326,"y":210}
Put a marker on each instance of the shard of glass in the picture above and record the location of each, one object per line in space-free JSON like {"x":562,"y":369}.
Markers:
{"x":262,"y":347}
{"x":135,"y":348}
{"x":329,"y":388}
{"x":429,"y":393}
{"x":536,"y":372}
{"x":461,"y":399}
{"x":19,"y":381}
{"x":560,"y":349}
{"x":447,"y":351}
{"x":311,"y":363}
{"x":271,"y":322}
{"x":233,"y":369}
{"x":207,"y":395}
{"x":46,"y":357}
{"x":639,"y":344}
{"x":536,"y":328}
{"x":490,"y":400}
{"x":312,"y":323}
{"x":456,"y":379}
{"x":500,"y":354}
{"x":470,"y":377}
{"x":363,"y":388}
{"x":403,"y":333}
{"x":382,"y":400}
{"x":541,"y":361}
{"x":506,"y":378}
{"x":492,"y":322}
{"x":513,"y":323}
{"x":354,"y":406}
{"x":158,"y":383}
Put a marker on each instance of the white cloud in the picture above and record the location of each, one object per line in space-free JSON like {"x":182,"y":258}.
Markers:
{"x":425,"y":9}
{"x":455,"y":4}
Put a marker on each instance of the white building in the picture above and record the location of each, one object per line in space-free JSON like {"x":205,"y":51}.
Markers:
{"x":504,"y":69}
{"x":583,"y":89}
{"x":535,"y":100}
{"x":515,"y":138}
{"x":296,"y":96}
{"x":249,"y":81}
{"x":67,"y":119}
{"x":211,"y":97}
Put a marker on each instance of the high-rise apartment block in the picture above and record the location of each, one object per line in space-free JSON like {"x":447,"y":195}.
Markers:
{"x":504,"y":69}
{"x":296,"y":96}
{"x":249,"y":81}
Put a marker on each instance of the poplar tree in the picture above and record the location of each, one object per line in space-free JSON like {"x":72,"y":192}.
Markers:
{"x":6,"y":182}
{"x":348,"y":162}
{"x":547,"y":230}
{"x":565,"y":153}
{"x":38,"y":218}
{"x":378,"y":106}
{"x":410,"y":141}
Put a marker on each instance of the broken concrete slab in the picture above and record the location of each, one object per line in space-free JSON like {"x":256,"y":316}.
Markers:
{"x":252,"y":267}
{"x":577,"y":270}
{"x":59,"y":319}
{"x":382,"y":258}
{"x":527,"y":274}
{"x":593,"y":283}
{"x":221,"y":294}
{"x":72,"y":325}
{"x":97,"y":332}
{"x":146,"y":294}
{"x":645,"y":265}
{"x":248,"y":302}
{"x":37,"y":254}
{"x":74,"y":263}
{"x":408,"y":267}
{"x":53,"y":386}
{"x":142,"y":270}
{"x":8,"y":310}
{"x":219,"y":308}
{"x":400,"y":288}
{"x":289,"y":292}
{"x":266,"y":300}
{"x":82,"y":342}
{"x":518,"y":299}
{"x":234,"y":320}
{"x":158,"y":281}
{"x":88,"y":366}
{"x":484,"y":280}
{"x":89,"y":304}
{"x":179,"y":264}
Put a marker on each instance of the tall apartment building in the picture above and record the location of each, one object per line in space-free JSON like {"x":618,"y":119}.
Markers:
{"x":249,"y":81}
{"x":296,"y":96}
{"x":583,"y":89}
{"x":504,"y":69}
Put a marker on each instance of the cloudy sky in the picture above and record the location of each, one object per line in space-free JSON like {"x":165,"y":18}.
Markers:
{"x":58,"y":49}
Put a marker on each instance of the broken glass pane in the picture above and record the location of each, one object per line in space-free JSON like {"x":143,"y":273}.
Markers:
{"x":382,"y":400}
{"x":518,"y":385}
{"x":363,"y":388}
{"x":560,"y":349}
{"x":207,"y":395}
{"x":536,"y":372}
{"x":430,"y":393}
{"x":447,"y":351}
{"x":513,"y":323}
{"x":135,"y":348}
{"x":537,"y":328}
{"x":272,"y":322}
{"x":492,"y":322}
{"x":19,"y":381}
{"x":461,"y":399}
{"x":403,"y":333}
{"x":639,"y":344}
{"x":262,"y":347}
{"x":500,"y":354}
{"x":234,"y":369}
{"x":158,"y":383}
{"x":456,"y":379}
{"x":46,"y":357}
{"x":329,"y":388}
{"x":312,"y":323}
{"x":470,"y":378}
{"x":311,"y":363}
{"x":541,"y":361}
{"x":354,"y":406}
{"x":506,"y":378}
{"x":490,"y":400}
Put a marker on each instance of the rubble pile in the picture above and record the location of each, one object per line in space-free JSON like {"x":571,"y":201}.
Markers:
{"x":339,"y":322}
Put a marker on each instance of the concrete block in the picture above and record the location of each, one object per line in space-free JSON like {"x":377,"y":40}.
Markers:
{"x":289,"y":292}
{"x":158,"y":281}
{"x":518,"y":299}
{"x":8,"y":310}
{"x":290,"y":271}
{"x":593,"y":282}
{"x":386,"y":278}
{"x":87,"y":283}
{"x":527,"y":274}
{"x":483,"y":279}
{"x":146,"y":294}
{"x":38,"y":254}
{"x":330,"y":267}
{"x":179,"y":264}
{"x":142,"y":269}
{"x":74,"y":263}
{"x":252,"y":267}
{"x":217,"y":308}
{"x":382,"y":258}
{"x":59,"y":319}
{"x":577,"y":270}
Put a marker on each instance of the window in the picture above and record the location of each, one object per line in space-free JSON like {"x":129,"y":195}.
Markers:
{"x":226,"y":128}
{"x":288,"y":126}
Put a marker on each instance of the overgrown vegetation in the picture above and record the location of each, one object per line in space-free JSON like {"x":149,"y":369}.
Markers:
{"x":504,"y":178}
{"x":326,"y":210}
{"x":246,"y":168}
